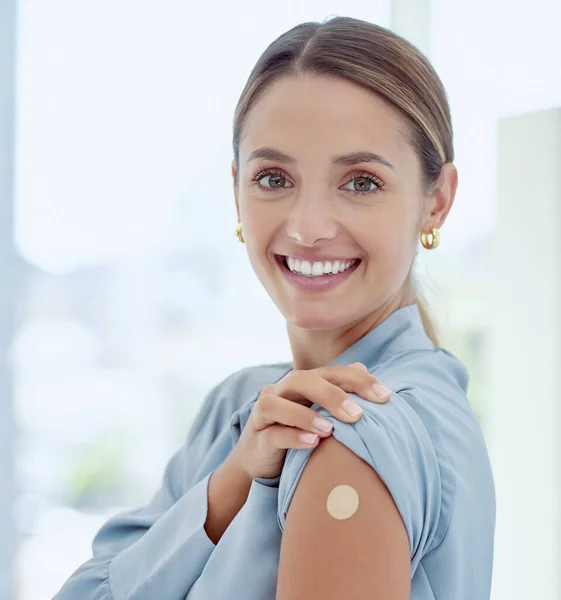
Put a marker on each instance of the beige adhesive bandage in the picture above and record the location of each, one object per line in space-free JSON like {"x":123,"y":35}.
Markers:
{"x":342,"y":502}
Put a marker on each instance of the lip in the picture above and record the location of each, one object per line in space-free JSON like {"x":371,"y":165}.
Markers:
{"x":314,"y":284}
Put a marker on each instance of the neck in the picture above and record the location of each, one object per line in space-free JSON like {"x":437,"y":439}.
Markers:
{"x":313,"y":348}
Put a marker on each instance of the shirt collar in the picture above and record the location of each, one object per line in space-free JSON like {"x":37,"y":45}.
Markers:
{"x":402,"y":330}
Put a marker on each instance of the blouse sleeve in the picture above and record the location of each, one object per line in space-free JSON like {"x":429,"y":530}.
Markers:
{"x":159,"y":550}
{"x":394,"y":440}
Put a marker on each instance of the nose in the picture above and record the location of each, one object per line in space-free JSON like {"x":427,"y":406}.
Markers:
{"x":311,"y":219}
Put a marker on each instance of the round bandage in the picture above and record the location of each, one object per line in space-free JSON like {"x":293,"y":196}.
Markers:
{"x":342,"y":502}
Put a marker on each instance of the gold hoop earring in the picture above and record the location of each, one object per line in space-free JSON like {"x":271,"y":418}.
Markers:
{"x":239,"y":234}
{"x":435,"y":241}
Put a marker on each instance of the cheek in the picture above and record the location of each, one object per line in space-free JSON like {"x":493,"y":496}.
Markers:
{"x":259,"y":235}
{"x":259,"y":217}
{"x":390,"y":250}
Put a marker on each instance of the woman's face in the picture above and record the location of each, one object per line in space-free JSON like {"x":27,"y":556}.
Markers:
{"x":297,"y":199}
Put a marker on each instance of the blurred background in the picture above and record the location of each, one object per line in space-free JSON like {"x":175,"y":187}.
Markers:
{"x":125,"y":296}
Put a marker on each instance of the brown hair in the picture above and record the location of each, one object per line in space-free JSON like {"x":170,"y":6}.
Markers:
{"x":376,"y":59}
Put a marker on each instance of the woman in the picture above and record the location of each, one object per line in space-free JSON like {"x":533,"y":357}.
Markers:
{"x":342,"y":160}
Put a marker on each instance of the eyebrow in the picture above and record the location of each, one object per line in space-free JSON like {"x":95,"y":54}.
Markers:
{"x":350,"y":159}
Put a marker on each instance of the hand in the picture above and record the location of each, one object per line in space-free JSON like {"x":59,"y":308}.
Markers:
{"x":282,"y":414}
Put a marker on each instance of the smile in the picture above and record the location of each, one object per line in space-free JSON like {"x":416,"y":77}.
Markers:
{"x":315,"y":282}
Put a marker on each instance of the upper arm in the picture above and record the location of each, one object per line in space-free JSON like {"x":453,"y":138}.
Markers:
{"x":393,"y":453}
{"x":363,"y":556}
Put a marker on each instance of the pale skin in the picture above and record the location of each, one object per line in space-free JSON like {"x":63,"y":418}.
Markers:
{"x":313,"y":208}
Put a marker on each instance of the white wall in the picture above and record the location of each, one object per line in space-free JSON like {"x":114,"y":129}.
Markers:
{"x":524,"y":429}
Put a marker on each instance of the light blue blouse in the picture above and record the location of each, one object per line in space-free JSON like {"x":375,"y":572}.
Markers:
{"x":426,"y":444}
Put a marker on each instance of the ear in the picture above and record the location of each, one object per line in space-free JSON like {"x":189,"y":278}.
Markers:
{"x":235,"y":190}
{"x":442,"y":197}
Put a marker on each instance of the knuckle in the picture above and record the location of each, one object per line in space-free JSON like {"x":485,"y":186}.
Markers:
{"x":323,"y":370}
{"x":265,"y":399}
{"x":265,"y":405}
{"x":290,"y":380}
{"x":293,"y":374}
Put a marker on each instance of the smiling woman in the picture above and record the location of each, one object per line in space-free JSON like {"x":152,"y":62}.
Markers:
{"x":342,"y":162}
{"x":366,"y":186}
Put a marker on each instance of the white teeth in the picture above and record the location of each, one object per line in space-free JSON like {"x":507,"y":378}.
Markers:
{"x":318,"y":268}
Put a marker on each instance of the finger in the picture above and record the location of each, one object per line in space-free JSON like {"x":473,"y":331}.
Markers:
{"x":309,"y":384}
{"x":359,"y":365}
{"x":273,"y":409}
{"x":356,"y":380}
{"x":280,"y":436}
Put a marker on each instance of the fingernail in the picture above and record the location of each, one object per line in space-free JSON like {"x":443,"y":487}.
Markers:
{"x":351,"y":407}
{"x":322,"y":424}
{"x":309,"y":438}
{"x":381,"y":390}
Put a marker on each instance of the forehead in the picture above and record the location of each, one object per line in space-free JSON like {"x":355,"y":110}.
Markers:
{"x":328,"y":114}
